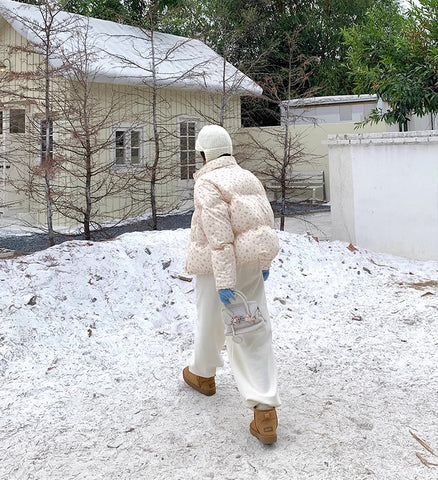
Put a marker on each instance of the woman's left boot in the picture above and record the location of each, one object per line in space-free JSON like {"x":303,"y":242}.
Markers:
{"x":204,"y":385}
{"x":264,"y":425}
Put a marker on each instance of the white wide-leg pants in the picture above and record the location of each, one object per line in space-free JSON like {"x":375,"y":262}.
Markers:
{"x":251,"y":360}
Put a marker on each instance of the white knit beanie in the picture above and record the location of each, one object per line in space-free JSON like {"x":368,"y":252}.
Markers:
{"x":214,"y":141}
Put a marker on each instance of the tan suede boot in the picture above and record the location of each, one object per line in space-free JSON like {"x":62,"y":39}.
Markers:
{"x":204,"y":385}
{"x":264,"y":425}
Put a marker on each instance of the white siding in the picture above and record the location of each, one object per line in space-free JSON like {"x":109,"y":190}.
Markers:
{"x":112,"y":104}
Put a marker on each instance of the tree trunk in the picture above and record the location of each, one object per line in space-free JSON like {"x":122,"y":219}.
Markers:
{"x":88,"y":202}
{"x":156,"y":137}
{"x":49,"y":212}
{"x":48,"y":155}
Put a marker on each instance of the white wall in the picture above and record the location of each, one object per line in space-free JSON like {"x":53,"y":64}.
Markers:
{"x":384,"y":191}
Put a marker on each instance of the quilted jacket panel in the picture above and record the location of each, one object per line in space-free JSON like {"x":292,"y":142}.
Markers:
{"x":232,"y":223}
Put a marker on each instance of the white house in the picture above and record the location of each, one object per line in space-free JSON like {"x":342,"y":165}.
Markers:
{"x":147,"y":92}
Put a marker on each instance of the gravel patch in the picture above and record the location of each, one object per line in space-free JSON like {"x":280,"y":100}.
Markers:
{"x":9,"y":244}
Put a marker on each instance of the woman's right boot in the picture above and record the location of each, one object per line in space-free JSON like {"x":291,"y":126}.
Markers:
{"x":264,"y":425}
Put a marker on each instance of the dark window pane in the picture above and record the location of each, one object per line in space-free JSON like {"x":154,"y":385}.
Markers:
{"x":183,"y":129}
{"x":17,"y":121}
{"x":1,"y":123}
{"x":135,"y":156}
{"x":191,"y":143}
{"x":120,"y":147}
{"x":135,"y":147}
{"x":135,"y":139}
{"x":191,"y":129}
{"x":120,"y":139}
{"x":120,"y":157}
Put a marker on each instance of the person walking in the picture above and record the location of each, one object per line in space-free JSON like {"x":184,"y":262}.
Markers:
{"x":232,"y":244}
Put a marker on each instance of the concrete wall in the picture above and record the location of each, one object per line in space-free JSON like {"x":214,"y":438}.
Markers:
{"x":384,"y":192}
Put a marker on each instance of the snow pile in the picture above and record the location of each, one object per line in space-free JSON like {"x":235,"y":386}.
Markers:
{"x":93,"y":338}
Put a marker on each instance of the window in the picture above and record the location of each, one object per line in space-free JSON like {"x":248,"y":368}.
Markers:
{"x":1,"y":122}
{"x":187,"y":139}
{"x":46,"y":141}
{"x":17,"y":121}
{"x":128,"y":146}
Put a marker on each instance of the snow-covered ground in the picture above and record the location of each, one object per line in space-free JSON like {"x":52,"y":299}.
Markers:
{"x":94,"y":336}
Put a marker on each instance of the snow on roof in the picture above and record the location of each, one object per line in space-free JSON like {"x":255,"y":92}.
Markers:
{"x":331,"y":100}
{"x":123,"y":54}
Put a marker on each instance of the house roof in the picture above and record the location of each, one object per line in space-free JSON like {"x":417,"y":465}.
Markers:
{"x":332,"y":100}
{"x":122,"y":54}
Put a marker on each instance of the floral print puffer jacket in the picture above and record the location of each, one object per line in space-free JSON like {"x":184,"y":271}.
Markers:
{"x":232,"y":223}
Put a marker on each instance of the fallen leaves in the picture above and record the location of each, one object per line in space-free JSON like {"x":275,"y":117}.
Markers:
{"x":379,"y":264}
{"x":421,"y":286}
{"x":281,"y":300}
{"x":166,"y":264}
{"x":424,"y":284}
{"x":423,"y":460}
{"x":312,"y":237}
{"x":427,"y":293}
{"x":356,"y":316}
{"x":32,"y":300}
{"x":51,"y":367}
{"x":352,"y":248}
{"x":182,"y":277}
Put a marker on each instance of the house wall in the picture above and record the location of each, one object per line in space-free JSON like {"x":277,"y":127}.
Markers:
{"x":313,"y":139}
{"x":10,"y":199}
{"x":173,"y":106}
{"x":112,"y":105}
{"x":385,"y":192}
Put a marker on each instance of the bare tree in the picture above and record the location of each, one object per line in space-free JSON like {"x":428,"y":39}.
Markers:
{"x":280,"y":150}
{"x":160,"y":69}
{"x":65,"y":152}
{"x":35,"y":86}
{"x":86,"y":137}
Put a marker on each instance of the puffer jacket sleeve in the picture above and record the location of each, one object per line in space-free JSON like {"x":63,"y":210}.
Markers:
{"x":216,"y":224}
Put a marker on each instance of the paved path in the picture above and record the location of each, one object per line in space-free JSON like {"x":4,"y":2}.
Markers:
{"x":317,"y":224}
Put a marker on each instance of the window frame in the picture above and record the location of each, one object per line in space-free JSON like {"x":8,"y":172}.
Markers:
{"x":43,"y":139}
{"x":127,"y":148}
{"x":190,"y":167}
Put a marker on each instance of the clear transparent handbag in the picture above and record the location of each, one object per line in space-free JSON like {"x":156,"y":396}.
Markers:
{"x":241,"y":317}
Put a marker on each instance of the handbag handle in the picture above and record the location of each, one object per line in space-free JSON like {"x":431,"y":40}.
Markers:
{"x":245,"y":302}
